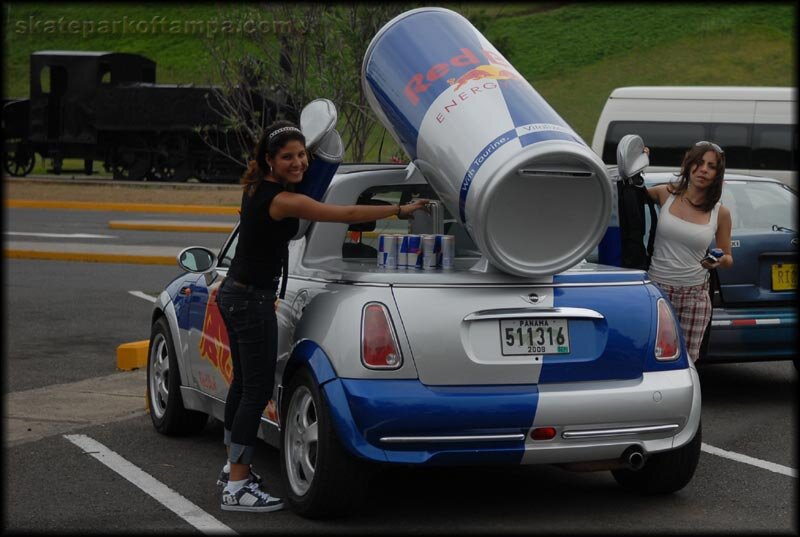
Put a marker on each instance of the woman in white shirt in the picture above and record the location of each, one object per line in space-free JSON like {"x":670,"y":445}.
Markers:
{"x":691,"y":216}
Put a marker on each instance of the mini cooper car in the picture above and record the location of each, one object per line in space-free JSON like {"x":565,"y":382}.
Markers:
{"x":586,"y":369}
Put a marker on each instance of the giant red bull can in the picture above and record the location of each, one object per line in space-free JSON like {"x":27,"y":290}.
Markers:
{"x":529,"y":191}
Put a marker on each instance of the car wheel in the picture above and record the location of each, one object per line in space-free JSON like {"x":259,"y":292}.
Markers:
{"x":320,"y":479}
{"x":169,"y":415}
{"x":664,"y":473}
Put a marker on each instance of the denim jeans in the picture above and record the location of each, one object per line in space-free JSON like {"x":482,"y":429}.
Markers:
{"x":249,"y":316}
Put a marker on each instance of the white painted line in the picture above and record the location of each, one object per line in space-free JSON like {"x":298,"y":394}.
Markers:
{"x":162,"y":493}
{"x":61,"y":235}
{"x":139,"y":294}
{"x":738,"y":457}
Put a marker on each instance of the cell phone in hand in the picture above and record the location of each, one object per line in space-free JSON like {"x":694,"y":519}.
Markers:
{"x":714,"y":255}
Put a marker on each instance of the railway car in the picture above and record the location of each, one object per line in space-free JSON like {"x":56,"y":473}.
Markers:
{"x":107,"y":107}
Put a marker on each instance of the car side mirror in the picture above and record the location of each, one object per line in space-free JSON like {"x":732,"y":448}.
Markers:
{"x":631,"y":158}
{"x":196,"y":259}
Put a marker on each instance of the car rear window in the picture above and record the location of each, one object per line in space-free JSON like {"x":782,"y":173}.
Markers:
{"x":760,"y":206}
{"x":361,"y":240}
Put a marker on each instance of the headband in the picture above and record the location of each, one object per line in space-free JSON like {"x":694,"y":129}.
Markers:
{"x":284,"y":129}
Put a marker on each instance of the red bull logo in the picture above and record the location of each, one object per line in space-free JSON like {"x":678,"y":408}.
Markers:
{"x":214,"y":343}
{"x":482,"y":72}
{"x":419,"y":82}
{"x":215,"y":347}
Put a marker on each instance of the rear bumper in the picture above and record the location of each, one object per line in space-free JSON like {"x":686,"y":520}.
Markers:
{"x":407,"y":422}
{"x":752,"y":334}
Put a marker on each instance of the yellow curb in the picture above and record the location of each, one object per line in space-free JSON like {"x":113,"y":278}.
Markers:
{"x":132,"y":355}
{"x":135,"y":207}
{"x":206,"y":228}
{"x":91,"y":257}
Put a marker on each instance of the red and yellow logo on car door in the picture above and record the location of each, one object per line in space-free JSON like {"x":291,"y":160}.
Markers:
{"x":215,"y":346}
{"x":214,"y":343}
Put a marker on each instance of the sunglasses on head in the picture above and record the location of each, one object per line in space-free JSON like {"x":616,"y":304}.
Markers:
{"x":716,"y":148}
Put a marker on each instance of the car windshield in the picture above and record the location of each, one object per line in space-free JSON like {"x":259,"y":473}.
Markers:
{"x":759,"y":205}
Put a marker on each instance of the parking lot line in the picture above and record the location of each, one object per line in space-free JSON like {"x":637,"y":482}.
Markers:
{"x":738,"y":457}
{"x":145,"y":296}
{"x":160,"y":492}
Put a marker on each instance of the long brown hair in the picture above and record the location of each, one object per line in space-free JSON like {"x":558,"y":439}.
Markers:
{"x":268,"y":146}
{"x":694,"y":156}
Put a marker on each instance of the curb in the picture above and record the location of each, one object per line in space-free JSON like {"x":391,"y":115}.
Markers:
{"x":132,"y":355}
{"x":133,"y":207}
{"x":94,"y":257}
{"x":156,"y":225}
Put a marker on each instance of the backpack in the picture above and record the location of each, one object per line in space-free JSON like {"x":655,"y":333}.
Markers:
{"x":632,"y":199}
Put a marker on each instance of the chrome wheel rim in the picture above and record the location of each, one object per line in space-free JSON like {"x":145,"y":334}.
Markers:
{"x":301,"y":441}
{"x":159,"y":376}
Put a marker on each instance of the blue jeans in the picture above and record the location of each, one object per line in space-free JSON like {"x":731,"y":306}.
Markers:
{"x":249,"y":316}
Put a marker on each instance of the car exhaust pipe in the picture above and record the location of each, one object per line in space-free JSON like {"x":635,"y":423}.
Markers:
{"x":634,"y":458}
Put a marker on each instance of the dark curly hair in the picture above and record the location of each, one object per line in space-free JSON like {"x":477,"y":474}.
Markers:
{"x":268,"y":146}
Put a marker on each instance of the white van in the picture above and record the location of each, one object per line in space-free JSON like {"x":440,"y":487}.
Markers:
{"x":755,"y":126}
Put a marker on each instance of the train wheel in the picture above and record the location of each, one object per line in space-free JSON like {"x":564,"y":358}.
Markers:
{"x":19,"y":161}
{"x":172,"y":163}
{"x":132,"y":159}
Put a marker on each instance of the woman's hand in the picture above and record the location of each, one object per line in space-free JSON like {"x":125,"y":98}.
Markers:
{"x":413,"y":206}
{"x":708,"y":264}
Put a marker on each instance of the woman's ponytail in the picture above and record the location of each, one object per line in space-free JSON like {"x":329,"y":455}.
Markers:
{"x":251,"y":177}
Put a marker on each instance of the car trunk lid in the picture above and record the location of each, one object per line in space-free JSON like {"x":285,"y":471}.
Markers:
{"x":583,"y":325}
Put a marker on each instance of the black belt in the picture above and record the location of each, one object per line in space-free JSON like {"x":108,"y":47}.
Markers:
{"x":246,"y":287}
{"x":283,"y":279}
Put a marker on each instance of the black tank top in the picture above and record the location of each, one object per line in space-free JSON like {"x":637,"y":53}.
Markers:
{"x":263,"y":242}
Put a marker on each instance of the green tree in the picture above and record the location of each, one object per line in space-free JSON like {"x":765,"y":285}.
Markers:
{"x":302,"y":52}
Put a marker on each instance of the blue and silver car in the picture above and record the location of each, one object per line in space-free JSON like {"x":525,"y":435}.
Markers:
{"x":755,"y":312}
{"x":586,"y":369}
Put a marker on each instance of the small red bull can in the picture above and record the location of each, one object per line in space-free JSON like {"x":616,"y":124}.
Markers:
{"x":448,"y":251}
{"x":387,"y":251}
{"x":414,"y":254}
{"x":408,"y":251}
{"x":430,"y":253}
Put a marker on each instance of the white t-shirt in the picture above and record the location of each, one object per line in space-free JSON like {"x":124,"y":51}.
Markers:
{"x":679,"y":248}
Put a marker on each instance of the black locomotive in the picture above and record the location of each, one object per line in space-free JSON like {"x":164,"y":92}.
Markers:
{"x":106,"y":106}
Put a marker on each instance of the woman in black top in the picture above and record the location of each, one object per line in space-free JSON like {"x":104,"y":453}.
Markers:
{"x":246,"y":298}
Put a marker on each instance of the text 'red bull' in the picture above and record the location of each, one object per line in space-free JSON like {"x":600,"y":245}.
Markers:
{"x":417,"y":85}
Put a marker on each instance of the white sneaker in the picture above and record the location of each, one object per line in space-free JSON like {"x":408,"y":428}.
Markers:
{"x":250,"y":498}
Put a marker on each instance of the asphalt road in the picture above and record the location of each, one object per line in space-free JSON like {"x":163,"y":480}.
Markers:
{"x":64,"y":321}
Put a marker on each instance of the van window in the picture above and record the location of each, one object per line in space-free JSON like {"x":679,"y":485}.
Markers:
{"x":773,"y":147}
{"x":734,"y":138}
{"x":668,"y":141}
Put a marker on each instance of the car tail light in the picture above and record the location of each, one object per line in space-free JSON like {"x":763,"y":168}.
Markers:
{"x":379,"y":348}
{"x":668,"y":342}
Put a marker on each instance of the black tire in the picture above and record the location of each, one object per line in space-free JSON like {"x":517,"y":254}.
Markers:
{"x":664,"y":473}
{"x":167,"y":412}
{"x":338,"y":480}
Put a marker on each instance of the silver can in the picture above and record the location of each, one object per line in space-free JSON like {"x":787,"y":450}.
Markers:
{"x":448,"y":252}
{"x":429,"y":253}
{"x":387,"y":251}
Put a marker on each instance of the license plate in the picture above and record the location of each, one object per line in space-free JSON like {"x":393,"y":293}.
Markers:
{"x":534,"y":336}
{"x":784,"y":276}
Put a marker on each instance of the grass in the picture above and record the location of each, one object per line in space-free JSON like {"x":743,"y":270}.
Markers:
{"x":573,"y":54}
